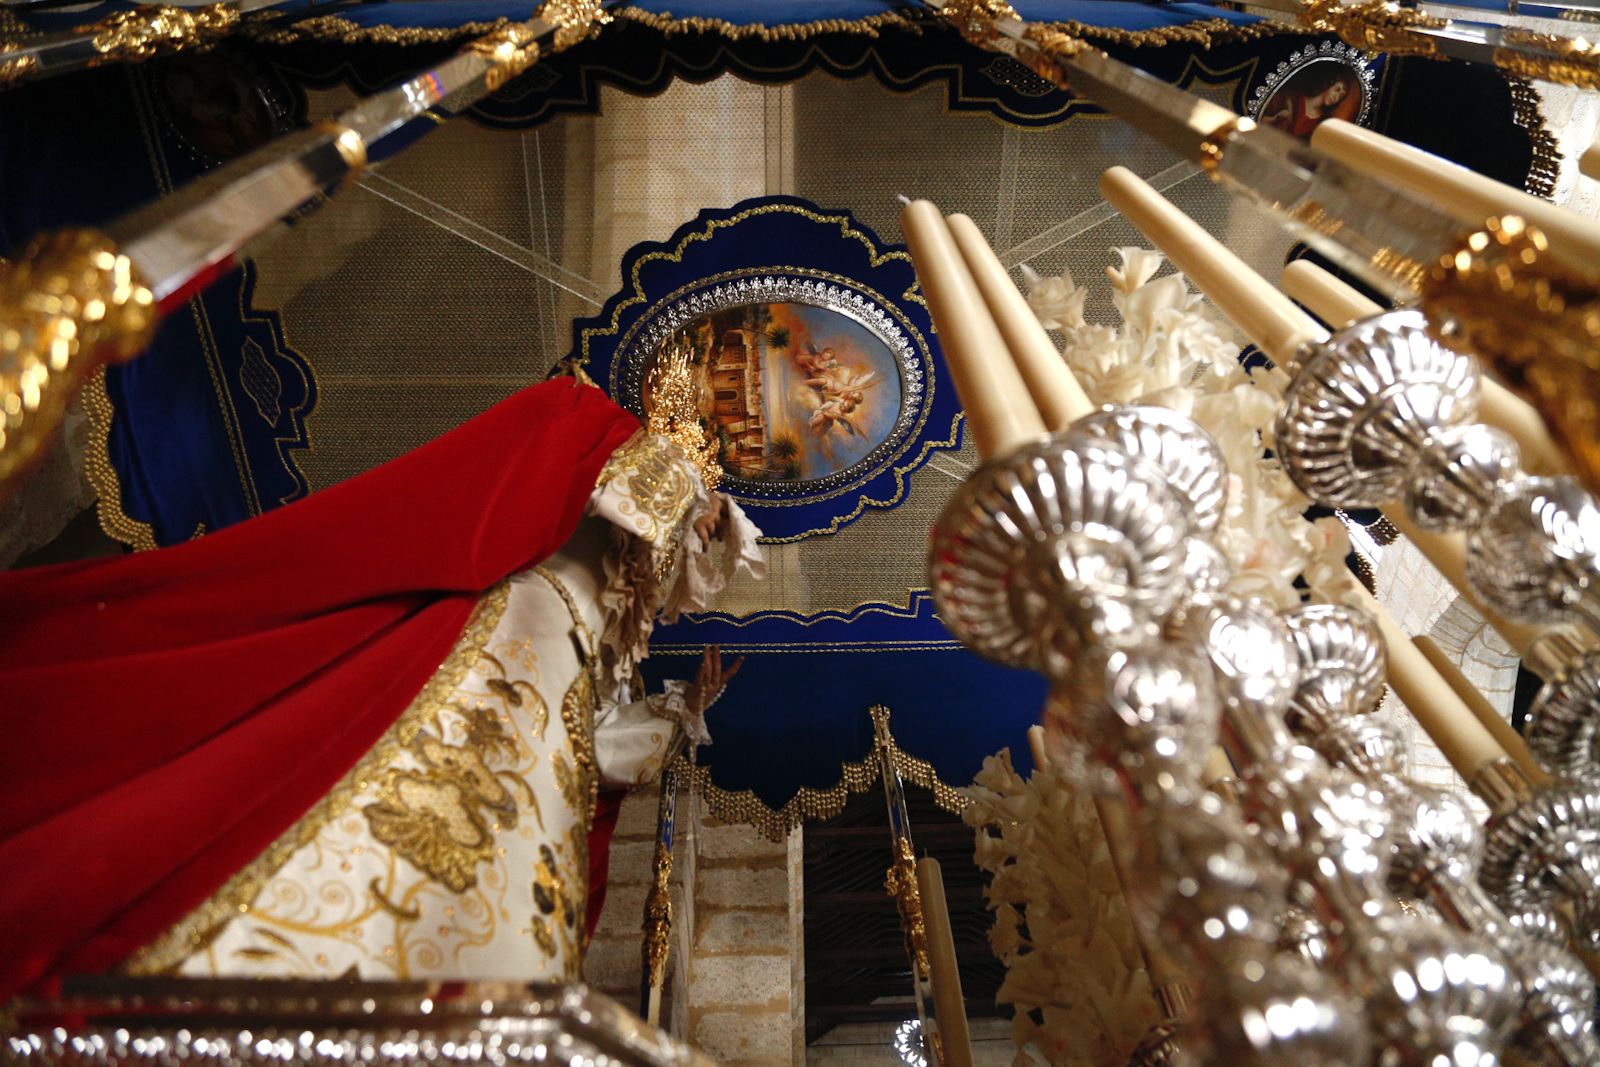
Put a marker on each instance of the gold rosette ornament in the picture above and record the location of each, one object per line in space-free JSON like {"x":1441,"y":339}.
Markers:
{"x":69,"y":306}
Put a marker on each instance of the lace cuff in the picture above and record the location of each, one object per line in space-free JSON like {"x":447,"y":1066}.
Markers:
{"x":673,"y":705}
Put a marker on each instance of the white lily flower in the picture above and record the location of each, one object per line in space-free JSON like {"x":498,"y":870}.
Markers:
{"x":1057,"y":302}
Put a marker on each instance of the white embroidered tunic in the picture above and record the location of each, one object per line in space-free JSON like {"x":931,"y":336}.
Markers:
{"x":458,"y":847}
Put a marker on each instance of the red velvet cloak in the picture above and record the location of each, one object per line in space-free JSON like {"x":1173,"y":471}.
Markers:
{"x":164,"y":717}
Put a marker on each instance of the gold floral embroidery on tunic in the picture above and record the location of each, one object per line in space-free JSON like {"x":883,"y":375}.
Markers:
{"x":197,"y":929}
{"x":443,"y":817}
{"x":661,"y":485}
{"x":557,"y":890}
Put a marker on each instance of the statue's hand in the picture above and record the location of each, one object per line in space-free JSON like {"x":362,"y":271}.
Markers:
{"x":713,"y":524}
{"x":712,"y":679}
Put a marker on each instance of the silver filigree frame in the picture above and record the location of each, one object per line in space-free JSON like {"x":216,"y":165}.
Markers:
{"x":1350,"y":57}
{"x":860,"y":303}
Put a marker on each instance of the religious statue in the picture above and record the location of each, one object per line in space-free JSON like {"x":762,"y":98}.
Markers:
{"x":363,"y":734}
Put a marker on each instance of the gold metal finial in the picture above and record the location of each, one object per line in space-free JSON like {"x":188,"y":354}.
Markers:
{"x":511,"y":49}
{"x":69,"y":305}
{"x":1376,"y":25}
{"x":1536,"y":323}
{"x":674,"y":408}
{"x":574,"y":19}
{"x":153,"y":29}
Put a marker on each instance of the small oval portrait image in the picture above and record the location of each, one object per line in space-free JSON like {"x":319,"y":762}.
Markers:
{"x":1313,"y":86}
{"x":789,"y":392}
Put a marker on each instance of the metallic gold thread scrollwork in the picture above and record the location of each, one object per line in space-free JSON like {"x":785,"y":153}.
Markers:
{"x":152,"y":30}
{"x":68,"y":305}
{"x":1570,"y":60}
{"x":901,"y":883}
{"x":660,"y":491}
{"x":1536,"y":323}
{"x":1376,"y":25}
{"x":574,"y":19}
{"x":510,"y":50}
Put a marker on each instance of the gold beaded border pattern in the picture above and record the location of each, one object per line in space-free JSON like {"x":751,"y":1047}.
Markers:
{"x":816,"y":805}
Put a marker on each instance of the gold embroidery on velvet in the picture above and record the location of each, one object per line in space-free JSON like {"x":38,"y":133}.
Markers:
{"x":197,"y":929}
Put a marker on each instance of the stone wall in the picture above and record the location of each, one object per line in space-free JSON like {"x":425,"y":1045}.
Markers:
{"x":745,"y":988}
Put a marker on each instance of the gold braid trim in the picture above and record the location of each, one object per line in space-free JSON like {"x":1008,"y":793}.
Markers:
{"x":337,"y":28}
{"x":1204,"y":33}
{"x":797,"y":31}
{"x":1527,"y":111}
{"x":343,"y":31}
{"x":117,"y":524}
{"x":815,"y":805}
{"x":201,"y":926}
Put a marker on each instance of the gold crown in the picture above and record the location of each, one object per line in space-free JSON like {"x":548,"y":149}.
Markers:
{"x":675,"y":408}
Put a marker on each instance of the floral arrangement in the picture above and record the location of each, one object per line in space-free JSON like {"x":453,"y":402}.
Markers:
{"x":1073,"y":966}
{"x":1074,"y":971}
{"x":1171,"y":353}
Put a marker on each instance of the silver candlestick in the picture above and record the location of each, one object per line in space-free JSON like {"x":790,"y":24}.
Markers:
{"x":1437,"y":843}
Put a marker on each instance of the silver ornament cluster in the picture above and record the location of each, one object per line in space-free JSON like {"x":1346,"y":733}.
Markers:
{"x":1382,"y":414}
{"x":262,"y":1022}
{"x":1155,"y":663}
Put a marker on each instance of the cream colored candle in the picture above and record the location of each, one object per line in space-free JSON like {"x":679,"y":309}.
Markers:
{"x":1470,"y":197}
{"x":1338,"y":305}
{"x":949,"y":1007}
{"x":1448,"y":553}
{"x":1266,"y":316}
{"x":1492,"y":720}
{"x":1466,"y":744}
{"x":1001,"y":414}
{"x":1056,"y":393}
{"x":1041,"y":758}
{"x":1329,"y":298}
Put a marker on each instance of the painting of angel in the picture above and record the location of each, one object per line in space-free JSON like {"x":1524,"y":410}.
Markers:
{"x":792,"y":392}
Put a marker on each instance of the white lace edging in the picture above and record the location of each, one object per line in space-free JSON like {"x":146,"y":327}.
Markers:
{"x":672,"y":704}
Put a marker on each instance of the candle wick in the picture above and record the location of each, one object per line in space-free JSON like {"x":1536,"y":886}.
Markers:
{"x":903,"y":198}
